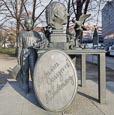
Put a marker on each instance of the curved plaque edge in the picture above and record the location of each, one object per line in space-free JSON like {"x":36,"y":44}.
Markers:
{"x":76,"y":83}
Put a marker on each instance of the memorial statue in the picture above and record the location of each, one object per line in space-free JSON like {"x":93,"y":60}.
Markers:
{"x":55,"y":72}
{"x":47,"y":33}
{"x":27,"y":54}
{"x":79,"y":27}
{"x":71,"y":38}
{"x":56,"y":15}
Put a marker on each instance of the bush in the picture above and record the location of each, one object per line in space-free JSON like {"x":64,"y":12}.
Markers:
{"x":7,"y":51}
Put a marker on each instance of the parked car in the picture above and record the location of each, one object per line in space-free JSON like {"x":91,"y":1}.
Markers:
{"x":99,"y":46}
{"x":110,"y":51}
{"x":6,"y":45}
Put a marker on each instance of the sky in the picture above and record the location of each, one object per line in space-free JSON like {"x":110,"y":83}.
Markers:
{"x":96,"y":15}
{"x":96,"y":12}
{"x":95,"y":20}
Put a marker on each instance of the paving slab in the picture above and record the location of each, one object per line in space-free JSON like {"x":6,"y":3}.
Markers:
{"x":14,"y":101}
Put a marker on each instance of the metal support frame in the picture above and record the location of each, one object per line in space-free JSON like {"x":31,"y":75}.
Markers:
{"x":101,"y":69}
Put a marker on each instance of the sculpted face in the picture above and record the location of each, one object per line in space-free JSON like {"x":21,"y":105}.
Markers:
{"x":56,"y":15}
{"x":29,"y":24}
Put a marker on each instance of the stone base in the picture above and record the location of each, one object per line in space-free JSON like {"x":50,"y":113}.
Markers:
{"x":58,"y":36}
{"x":60,"y":45}
{"x":58,"y":40}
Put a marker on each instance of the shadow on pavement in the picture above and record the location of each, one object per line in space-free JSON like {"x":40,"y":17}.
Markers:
{"x":4,"y":76}
{"x":16,"y":85}
{"x":29,"y":96}
{"x":87,"y":96}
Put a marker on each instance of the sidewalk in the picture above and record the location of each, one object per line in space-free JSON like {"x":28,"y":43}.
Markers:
{"x":109,"y":61}
{"x":13,"y":101}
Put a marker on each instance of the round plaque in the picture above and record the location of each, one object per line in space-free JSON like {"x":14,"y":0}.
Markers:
{"x":55,"y":80}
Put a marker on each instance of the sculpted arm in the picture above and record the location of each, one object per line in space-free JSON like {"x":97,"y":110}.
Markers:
{"x":19,"y":46}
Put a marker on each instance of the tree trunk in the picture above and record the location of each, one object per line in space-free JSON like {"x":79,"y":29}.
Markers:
{"x":68,"y":17}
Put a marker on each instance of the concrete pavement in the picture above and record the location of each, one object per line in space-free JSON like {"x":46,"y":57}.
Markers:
{"x":109,"y":60}
{"x":13,"y":101}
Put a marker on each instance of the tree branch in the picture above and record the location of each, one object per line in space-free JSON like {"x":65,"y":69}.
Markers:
{"x":42,"y":12}
{"x":86,"y":6}
{"x":34,"y":7}
{"x":8,"y":8}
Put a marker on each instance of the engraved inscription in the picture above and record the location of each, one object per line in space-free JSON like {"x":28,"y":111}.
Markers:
{"x":56,"y":79}
{"x":51,"y":92}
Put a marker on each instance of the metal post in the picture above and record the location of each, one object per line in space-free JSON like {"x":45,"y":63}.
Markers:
{"x":83,"y":70}
{"x":101,"y":78}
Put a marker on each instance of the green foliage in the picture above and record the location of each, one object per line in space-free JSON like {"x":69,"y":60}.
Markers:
{"x":7,"y":51}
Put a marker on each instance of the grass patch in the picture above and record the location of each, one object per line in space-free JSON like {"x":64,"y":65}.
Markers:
{"x":7,"y":51}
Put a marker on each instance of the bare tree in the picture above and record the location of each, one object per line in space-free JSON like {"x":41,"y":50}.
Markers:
{"x":17,"y":10}
{"x":14,"y":10}
{"x":78,"y":7}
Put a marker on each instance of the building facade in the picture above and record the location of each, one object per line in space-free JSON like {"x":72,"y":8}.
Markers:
{"x":88,"y":34}
{"x":108,"y":23}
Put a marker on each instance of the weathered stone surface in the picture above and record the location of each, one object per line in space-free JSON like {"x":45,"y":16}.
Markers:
{"x":15,"y":71}
{"x":61,"y":37}
{"x":58,"y":40}
{"x":56,"y":15}
{"x":59,"y":45}
{"x":55,"y":80}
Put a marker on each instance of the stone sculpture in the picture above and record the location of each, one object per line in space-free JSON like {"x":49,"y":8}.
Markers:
{"x":79,"y":27}
{"x":54,"y":74}
{"x":71,"y":38}
{"x":54,"y":71}
{"x":27,"y":54}
{"x":56,"y":15}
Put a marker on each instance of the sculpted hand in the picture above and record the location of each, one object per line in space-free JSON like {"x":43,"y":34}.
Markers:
{"x":36,"y":45}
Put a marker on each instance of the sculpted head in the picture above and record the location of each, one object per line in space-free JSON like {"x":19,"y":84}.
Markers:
{"x":28,"y":22}
{"x":56,"y":15}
